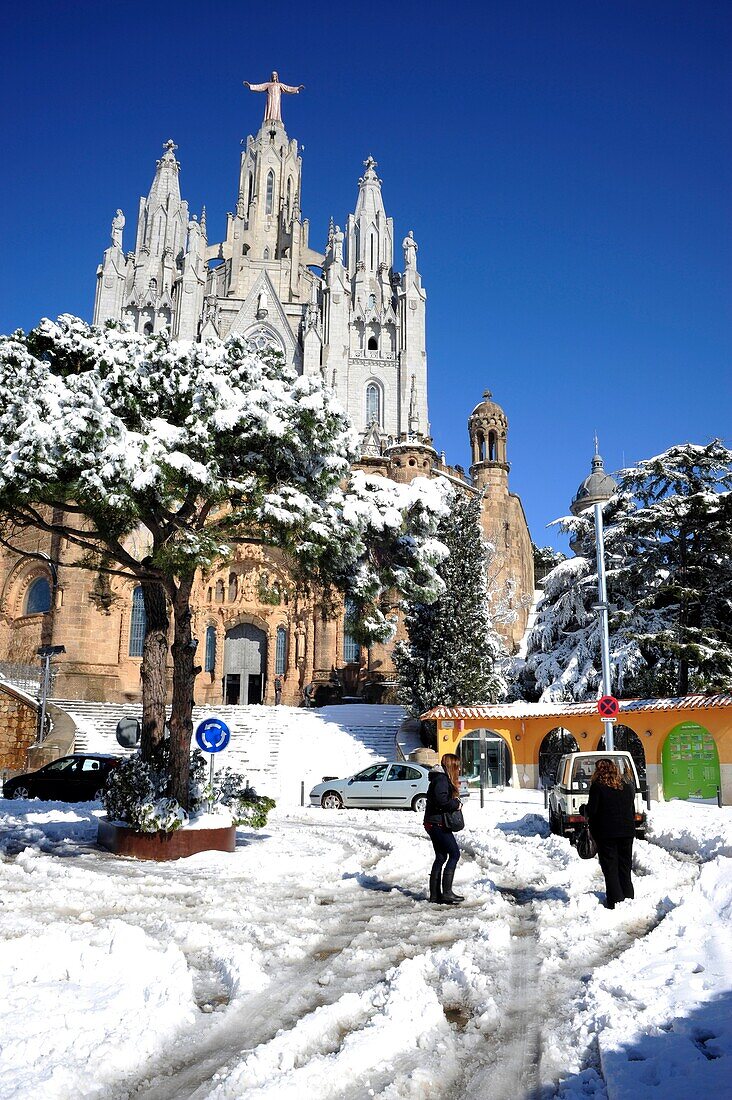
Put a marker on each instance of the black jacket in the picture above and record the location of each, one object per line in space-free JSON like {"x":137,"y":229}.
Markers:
{"x":439,"y":798}
{"x":611,"y":812}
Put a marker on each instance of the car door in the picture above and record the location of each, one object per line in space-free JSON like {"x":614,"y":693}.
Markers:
{"x":401,"y":785}
{"x":51,"y":782}
{"x":364,"y":788}
{"x":89,"y":778}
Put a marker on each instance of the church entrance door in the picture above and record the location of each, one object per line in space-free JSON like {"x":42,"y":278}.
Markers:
{"x":245,"y":662}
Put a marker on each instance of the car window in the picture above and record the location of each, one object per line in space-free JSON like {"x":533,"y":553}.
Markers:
{"x":372,"y":774}
{"x":403,"y":772}
{"x":90,"y":765}
{"x":60,"y":765}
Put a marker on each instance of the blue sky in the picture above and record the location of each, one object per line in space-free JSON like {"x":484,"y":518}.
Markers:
{"x":565,"y":167}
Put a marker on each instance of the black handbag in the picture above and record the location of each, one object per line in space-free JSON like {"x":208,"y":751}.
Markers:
{"x":454,"y":821}
{"x":585,"y":843}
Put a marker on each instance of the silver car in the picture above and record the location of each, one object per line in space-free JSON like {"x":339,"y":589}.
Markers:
{"x":392,"y":785}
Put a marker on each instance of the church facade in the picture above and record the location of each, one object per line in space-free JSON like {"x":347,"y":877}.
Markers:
{"x":350,"y":313}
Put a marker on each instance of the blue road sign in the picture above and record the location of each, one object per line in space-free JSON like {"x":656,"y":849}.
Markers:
{"x":212,"y":735}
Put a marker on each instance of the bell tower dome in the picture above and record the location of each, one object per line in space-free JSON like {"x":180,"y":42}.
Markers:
{"x":488,"y":430}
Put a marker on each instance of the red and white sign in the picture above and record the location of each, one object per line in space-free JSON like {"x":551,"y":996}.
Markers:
{"x":608,"y":706}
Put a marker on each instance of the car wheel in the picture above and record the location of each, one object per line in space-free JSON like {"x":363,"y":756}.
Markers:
{"x":99,"y":795}
{"x":419,"y":803}
{"x":331,"y":800}
{"x":21,"y":792}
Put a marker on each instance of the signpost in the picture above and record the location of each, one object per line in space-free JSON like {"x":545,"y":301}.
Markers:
{"x":212,"y":736}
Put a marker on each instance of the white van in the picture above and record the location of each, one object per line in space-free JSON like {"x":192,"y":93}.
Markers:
{"x":571,"y":790}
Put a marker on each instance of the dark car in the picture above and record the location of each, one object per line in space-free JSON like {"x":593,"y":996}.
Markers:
{"x":78,"y":778}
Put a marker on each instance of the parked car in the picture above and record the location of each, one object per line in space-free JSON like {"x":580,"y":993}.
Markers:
{"x":571,"y":790}
{"x":388,"y":785}
{"x":78,"y":778}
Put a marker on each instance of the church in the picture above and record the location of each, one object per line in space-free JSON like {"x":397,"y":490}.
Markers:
{"x":354,"y":313}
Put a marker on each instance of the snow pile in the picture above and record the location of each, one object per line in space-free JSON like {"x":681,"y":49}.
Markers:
{"x":81,"y":1004}
{"x":700,"y":831}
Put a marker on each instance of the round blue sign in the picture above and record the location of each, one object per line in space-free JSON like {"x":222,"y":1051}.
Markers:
{"x":212,"y":735}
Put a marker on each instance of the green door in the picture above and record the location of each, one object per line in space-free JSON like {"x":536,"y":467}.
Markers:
{"x":690,"y":763}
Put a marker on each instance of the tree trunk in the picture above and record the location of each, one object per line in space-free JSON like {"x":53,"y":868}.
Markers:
{"x":184,"y":678}
{"x":153,"y":671}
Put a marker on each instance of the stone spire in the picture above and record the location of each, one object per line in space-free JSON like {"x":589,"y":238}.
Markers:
{"x":370,"y":233}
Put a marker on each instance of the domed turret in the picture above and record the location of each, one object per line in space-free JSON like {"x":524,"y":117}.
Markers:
{"x":597,"y":487}
{"x":488,"y":430}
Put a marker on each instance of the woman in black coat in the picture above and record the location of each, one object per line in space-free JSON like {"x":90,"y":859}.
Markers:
{"x":611,"y":814}
{"x":443,"y":797}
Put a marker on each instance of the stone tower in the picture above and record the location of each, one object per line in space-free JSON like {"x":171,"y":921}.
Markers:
{"x":502,"y":515}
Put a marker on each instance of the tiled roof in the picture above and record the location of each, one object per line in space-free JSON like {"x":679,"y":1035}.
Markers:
{"x":551,"y":710}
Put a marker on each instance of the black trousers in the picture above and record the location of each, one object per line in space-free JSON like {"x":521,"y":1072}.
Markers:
{"x":616,"y":856}
{"x":446,"y":848}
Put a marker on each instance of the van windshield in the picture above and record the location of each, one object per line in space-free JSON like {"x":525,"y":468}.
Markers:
{"x":584,"y":768}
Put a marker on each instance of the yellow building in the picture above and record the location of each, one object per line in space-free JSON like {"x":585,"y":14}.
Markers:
{"x":683,"y":746}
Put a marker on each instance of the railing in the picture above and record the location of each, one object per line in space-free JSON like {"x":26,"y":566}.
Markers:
{"x":23,"y":676}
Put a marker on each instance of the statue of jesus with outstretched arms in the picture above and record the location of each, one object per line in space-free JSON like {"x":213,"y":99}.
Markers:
{"x":274,"y":89}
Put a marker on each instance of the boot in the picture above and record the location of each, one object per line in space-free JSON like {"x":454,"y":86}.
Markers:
{"x":448,"y":898}
{"x":435,"y":895}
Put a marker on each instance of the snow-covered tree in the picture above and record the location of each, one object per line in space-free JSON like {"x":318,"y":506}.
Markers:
{"x":105,"y":432}
{"x":668,"y":549}
{"x":452,"y":650}
{"x":674,"y":550}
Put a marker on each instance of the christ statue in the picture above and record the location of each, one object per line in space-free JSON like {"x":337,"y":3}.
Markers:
{"x":274,"y":89}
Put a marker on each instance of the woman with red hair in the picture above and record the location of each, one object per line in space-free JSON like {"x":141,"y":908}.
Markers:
{"x":611,"y":814}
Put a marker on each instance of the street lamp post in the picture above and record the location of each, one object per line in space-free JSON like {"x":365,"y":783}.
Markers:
{"x":46,"y":652}
{"x":594,"y":492}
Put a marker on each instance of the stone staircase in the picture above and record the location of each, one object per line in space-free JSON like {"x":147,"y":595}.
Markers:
{"x":336,"y":740}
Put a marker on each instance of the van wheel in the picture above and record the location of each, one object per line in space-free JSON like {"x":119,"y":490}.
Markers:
{"x":561,"y":831}
{"x":553,"y":826}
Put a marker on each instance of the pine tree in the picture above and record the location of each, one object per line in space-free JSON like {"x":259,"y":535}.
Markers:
{"x":668,"y":548}
{"x":675,"y":549}
{"x":453,"y":649}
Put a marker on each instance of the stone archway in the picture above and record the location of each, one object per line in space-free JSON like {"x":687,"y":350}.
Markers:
{"x":553,"y":747}
{"x":690,"y":763}
{"x":627,"y":740}
{"x":245,"y":664}
{"x":485,"y":759}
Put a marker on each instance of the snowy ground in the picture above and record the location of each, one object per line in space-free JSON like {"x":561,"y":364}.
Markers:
{"x":308,"y":964}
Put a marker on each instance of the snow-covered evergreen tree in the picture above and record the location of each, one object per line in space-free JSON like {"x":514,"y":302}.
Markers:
{"x":674,"y":549}
{"x":453,"y":649}
{"x":104,"y":432}
{"x":668,"y":549}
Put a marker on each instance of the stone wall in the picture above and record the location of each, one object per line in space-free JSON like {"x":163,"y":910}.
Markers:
{"x":17,"y":729}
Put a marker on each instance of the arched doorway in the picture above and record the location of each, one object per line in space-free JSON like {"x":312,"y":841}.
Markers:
{"x":245,"y":661}
{"x":690,"y":763}
{"x":485,"y":759}
{"x":557,"y":743}
{"x":627,"y":740}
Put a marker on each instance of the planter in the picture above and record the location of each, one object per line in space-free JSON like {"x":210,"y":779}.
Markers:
{"x":161,"y":846}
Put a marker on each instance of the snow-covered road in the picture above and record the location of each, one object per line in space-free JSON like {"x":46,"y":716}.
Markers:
{"x":308,"y":964}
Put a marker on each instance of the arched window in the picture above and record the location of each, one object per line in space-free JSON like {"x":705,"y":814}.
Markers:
{"x":373,"y":344}
{"x":219,"y":591}
{"x":372,"y":251}
{"x":38,"y":598}
{"x":269,"y":201}
{"x":232,"y":587}
{"x":373,"y":404}
{"x":492,"y":447}
{"x":265,"y":254}
{"x":148,"y":329}
{"x":138,"y":623}
{"x":289,"y":192}
{"x":250,"y":190}
{"x":209,"y":660}
{"x":351,"y":648}
{"x":280,"y":651}
{"x":372,"y":301}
